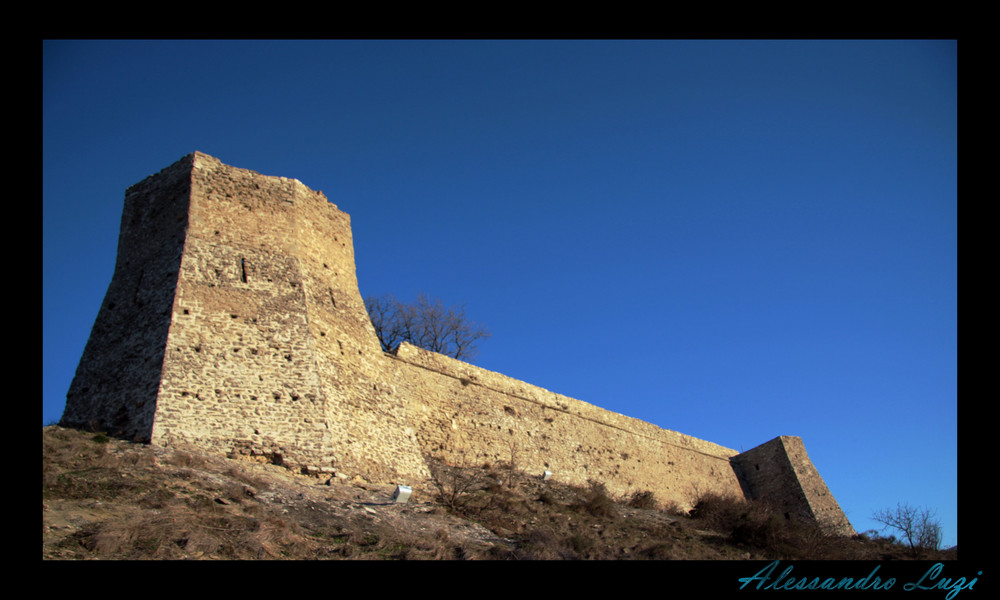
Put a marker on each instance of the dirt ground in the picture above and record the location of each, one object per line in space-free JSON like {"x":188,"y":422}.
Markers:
{"x":104,"y":498}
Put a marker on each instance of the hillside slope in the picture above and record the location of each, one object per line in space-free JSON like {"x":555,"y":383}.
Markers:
{"x":110,"y":499}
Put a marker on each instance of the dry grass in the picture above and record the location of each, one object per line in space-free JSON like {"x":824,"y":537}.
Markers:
{"x":184,"y":532}
{"x":768,"y":533}
{"x":110,"y":499}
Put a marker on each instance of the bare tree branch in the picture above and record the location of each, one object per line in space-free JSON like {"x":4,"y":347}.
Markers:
{"x":919,"y":527}
{"x":427,"y":323}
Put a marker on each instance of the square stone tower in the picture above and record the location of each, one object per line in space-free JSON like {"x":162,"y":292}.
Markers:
{"x":781,"y":472}
{"x":233,"y":321}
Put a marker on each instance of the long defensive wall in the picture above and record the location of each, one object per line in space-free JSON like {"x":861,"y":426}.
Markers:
{"x":233,"y":323}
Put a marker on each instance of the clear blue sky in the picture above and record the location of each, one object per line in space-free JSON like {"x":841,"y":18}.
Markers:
{"x":731,"y":239}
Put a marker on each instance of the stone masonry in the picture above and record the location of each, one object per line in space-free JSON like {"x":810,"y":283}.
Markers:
{"x":233,"y":324}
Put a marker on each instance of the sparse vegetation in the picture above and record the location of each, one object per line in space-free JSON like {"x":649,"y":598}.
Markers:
{"x":644,"y":499}
{"x":118,"y":500}
{"x":598,"y":503}
{"x":918,"y":526}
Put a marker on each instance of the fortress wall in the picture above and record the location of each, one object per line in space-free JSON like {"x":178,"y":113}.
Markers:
{"x":234,"y":324}
{"x":468,"y":415}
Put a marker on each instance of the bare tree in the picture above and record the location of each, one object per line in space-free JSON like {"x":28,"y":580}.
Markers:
{"x":388,"y":318}
{"x":427,"y":323}
{"x":918,"y":526}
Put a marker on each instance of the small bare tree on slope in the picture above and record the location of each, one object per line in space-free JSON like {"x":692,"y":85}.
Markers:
{"x":918,"y":526}
{"x":427,"y":323}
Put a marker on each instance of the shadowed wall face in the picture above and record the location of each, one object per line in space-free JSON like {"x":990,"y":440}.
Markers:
{"x":117,"y":381}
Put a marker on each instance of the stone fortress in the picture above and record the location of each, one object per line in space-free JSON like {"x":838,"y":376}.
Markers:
{"x":234,"y":324}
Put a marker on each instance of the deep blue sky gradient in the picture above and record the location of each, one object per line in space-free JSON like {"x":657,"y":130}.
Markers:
{"x":731,"y":239}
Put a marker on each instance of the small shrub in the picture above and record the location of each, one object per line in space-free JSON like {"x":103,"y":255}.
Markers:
{"x":181,"y":458}
{"x":237,"y":492}
{"x":541,"y":543}
{"x":546,"y":497}
{"x":659,"y":551}
{"x":138,"y":459}
{"x":674,"y":508}
{"x":598,"y":503}
{"x":582,"y":543}
{"x":157,"y":498}
{"x":242,"y":476}
{"x":644,"y":499}
{"x":718,"y":512}
{"x":456,"y":485}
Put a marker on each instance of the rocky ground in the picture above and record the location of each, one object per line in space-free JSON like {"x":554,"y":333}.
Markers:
{"x":109,"y":499}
